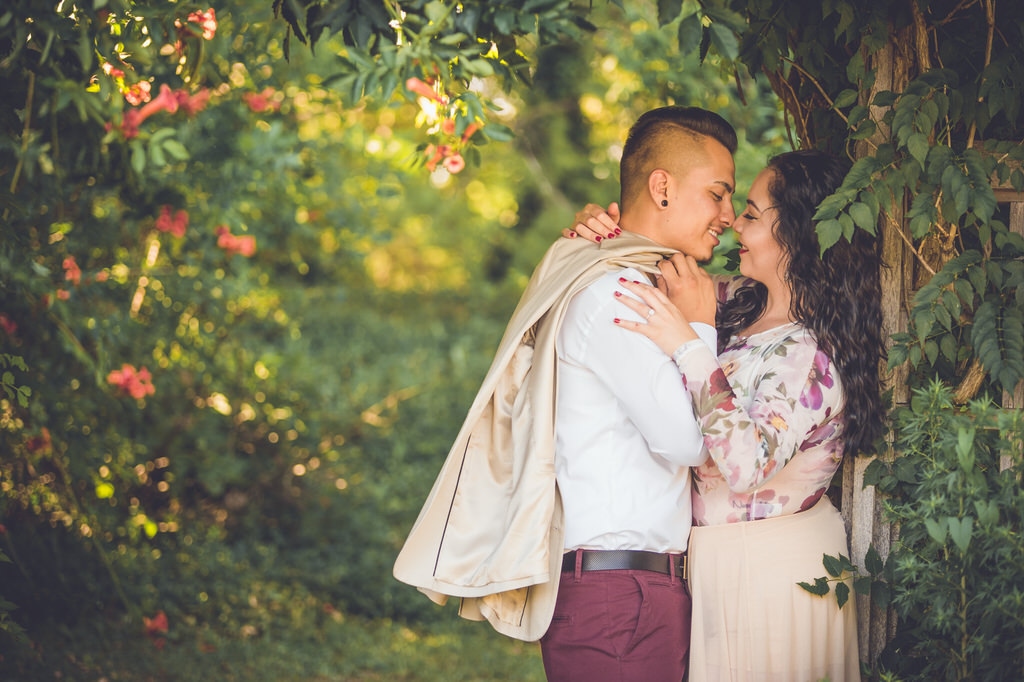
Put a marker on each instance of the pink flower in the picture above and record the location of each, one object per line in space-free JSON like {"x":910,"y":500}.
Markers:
{"x":175,"y":224}
{"x":8,"y":325}
{"x":192,"y":104}
{"x":721,"y":391}
{"x":454,"y":163}
{"x":165,"y":101}
{"x":262,"y":101}
{"x":138,"y":384}
{"x":417,"y":86}
{"x":112,"y":70}
{"x":820,"y":375}
{"x":41,"y":443}
{"x":207,"y":21}
{"x":133,"y":118}
{"x":130,"y":124}
{"x":137,"y":93}
{"x":102,"y":276}
{"x":448,"y":126}
{"x":155,"y":627}
{"x":470,"y":129}
{"x":435,"y":155}
{"x":72,"y":272}
{"x":63,"y":294}
{"x":243,"y":245}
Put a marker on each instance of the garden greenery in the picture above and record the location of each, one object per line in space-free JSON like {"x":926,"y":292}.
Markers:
{"x":924,"y":96}
{"x":239,"y":328}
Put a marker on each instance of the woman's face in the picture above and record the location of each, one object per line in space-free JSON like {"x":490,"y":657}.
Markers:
{"x":761,"y":255}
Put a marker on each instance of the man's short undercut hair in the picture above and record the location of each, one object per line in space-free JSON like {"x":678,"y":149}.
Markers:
{"x":666,"y":129}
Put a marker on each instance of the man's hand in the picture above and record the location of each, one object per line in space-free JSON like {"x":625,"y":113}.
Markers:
{"x":689,"y":288}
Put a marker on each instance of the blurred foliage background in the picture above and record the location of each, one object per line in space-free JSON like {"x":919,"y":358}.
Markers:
{"x":242,"y":321}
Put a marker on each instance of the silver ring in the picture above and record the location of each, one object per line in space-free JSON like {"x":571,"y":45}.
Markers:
{"x":650,"y":313}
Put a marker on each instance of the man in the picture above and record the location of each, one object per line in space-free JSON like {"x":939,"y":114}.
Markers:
{"x":496,"y":529}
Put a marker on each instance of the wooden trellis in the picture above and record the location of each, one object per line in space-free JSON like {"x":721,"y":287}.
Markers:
{"x":861,"y":507}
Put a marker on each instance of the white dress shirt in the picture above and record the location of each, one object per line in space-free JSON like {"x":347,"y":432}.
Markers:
{"x":625,"y":433}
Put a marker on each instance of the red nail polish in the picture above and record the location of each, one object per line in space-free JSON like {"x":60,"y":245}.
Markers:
{"x":597,"y":239}
{"x":618,"y":293}
{"x":611,"y":235}
{"x":617,"y":231}
{"x":616,"y":320}
{"x":622,"y":279}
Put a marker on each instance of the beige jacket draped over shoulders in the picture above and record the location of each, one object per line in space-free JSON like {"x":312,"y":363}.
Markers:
{"x":490,"y":531}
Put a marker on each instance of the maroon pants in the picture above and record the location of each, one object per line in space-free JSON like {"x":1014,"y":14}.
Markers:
{"x":618,"y":626}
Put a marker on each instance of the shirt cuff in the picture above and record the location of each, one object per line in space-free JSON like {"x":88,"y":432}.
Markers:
{"x":707,"y":333}
{"x":679,"y":354}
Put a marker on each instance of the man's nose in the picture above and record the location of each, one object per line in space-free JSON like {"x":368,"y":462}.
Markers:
{"x":728,"y":215}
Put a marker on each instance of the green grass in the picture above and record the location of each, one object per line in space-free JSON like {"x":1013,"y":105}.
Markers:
{"x":337,"y":649}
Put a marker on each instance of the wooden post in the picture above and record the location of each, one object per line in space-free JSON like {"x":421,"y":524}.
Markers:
{"x":861,"y":509}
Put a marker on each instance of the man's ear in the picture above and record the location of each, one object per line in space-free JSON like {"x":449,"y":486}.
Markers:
{"x":658,"y":185}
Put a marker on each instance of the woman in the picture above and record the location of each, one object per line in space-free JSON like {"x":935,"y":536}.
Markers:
{"x":794,"y":388}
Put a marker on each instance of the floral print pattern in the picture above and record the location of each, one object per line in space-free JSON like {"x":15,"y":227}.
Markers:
{"x":769,"y":408}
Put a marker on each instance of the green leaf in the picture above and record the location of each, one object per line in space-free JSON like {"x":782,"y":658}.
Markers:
{"x":842,"y":594}
{"x":897,"y":355}
{"x":873,"y":561}
{"x":498,"y":132}
{"x":964,"y":290}
{"x":478,"y":67}
{"x":874,"y":471}
{"x":668,"y":10}
{"x":845,"y":98}
{"x":965,"y":441}
{"x":138,"y":157}
{"x":917,"y":145}
{"x":829,"y":232}
{"x":988,"y":512}
{"x":884,"y":98}
{"x":724,"y":40}
{"x":846,"y":223}
{"x":923,"y":321}
{"x":176,"y":149}
{"x":936,"y":530}
{"x":960,"y":531}
{"x":863,"y":217}
{"x":948,"y":347}
{"x":976,"y":275}
{"x":819,"y":588}
{"x":880,"y":594}
{"x":832,"y":566}
{"x":691,"y":30}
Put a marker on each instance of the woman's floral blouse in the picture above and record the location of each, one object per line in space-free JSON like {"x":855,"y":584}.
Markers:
{"x":768,"y":408}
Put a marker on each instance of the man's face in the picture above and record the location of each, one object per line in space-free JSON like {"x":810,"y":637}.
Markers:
{"x":700,"y":204}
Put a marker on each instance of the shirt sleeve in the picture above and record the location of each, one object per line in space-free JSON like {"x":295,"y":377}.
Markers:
{"x":645,"y":381}
{"x":793,"y":396}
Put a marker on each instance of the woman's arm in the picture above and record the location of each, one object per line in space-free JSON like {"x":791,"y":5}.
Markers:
{"x":793,"y":405}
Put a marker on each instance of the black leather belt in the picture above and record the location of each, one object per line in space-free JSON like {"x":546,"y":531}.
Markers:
{"x":625,"y":559}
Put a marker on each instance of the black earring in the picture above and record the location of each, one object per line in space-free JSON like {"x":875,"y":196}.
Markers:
{"x":664,"y":202}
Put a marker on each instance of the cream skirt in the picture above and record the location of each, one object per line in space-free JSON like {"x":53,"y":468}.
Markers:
{"x":751,"y":621}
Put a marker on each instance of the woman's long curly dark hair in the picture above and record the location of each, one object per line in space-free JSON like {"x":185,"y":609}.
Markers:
{"x":837,"y":296}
